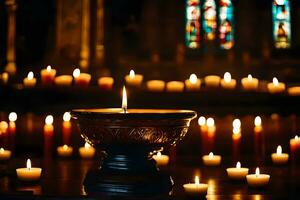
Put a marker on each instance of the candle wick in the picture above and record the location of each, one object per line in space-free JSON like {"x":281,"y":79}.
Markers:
{"x":124,"y":109}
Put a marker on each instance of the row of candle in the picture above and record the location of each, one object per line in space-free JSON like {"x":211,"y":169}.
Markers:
{"x":135,"y":80}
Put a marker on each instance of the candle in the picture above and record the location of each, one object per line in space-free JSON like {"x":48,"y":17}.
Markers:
{"x":211,"y":128}
{"x":161,"y":160}
{"x":295,"y":146}
{"x":257,"y":179}
{"x":4,"y":154}
{"x":275,"y":86}
{"x":4,"y":77}
{"x":175,"y":86}
{"x":64,"y":151}
{"x":250,"y":83}
{"x":12,"y":117}
{"x":279,"y":158}
{"x":87,"y":151}
{"x":257,"y":124}
{"x":48,"y":75}
{"x":294,"y":91}
{"x":66,"y":128}
{"x":196,"y":189}
{"x":193,"y":83}
{"x":155,"y":85}
{"x":237,"y":173}
{"x":29,"y":173}
{"x":81,"y":79}
{"x":29,"y":81}
{"x":202,"y":124}
{"x":48,"y":127}
{"x":211,"y":159}
{"x":3,"y":127}
{"x":63,"y":80}
{"x":212,"y":81}
{"x":134,"y":79}
{"x":106,"y":83}
{"x":227,"y":82}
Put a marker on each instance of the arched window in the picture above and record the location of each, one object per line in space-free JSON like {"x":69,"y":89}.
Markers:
{"x":209,"y":19}
{"x":226,"y":33}
{"x":281,"y":23}
{"x":192,"y":24}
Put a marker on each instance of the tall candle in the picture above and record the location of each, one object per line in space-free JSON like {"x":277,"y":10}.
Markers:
{"x":29,"y":81}
{"x":66,"y":128}
{"x":202,"y":123}
{"x":63,"y":80}
{"x":48,"y":136}
{"x":81,"y":79}
{"x":276,"y":86}
{"x":257,"y":179}
{"x":12,"y":117}
{"x":175,"y":86}
{"x":4,"y":133}
{"x":134,"y":79}
{"x":237,"y":173}
{"x":212,"y":81}
{"x":155,"y":85}
{"x":295,"y":147}
{"x":227,"y":82}
{"x":196,"y":189}
{"x":236,"y":139}
{"x":279,"y":158}
{"x":106,"y":83}
{"x":257,"y":124}
{"x":29,"y":173}
{"x":193,"y":83}
{"x":48,"y":75}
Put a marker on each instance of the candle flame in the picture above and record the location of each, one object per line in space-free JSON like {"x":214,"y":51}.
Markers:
{"x":236,"y":130}
{"x":131,"y":74}
{"x":257,"y":171}
{"x":201,"y":121}
{"x":48,"y":68}
{"x":67,"y":117}
{"x":211,"y":155}
{"x":193,"y":79}
{"x":279,"y":150}
{"x":210,"y":122}
{"x":236,"y":123}
{"x":1,"y":150}
{"x":28,"y":164}
{"x":49,"y":120}
{"x":65,"y":147}
{"x":30,"y":75}
{"x":296,"y":138}
{"x":227,"y":77}
{"x":257,"y":121}
{"x":12,"y":117}
{"x":158,"y":154}
{"x":250,"y":77}
{"x":197,"y":180}
{"x":87,"y":145}
{"x":275,"y":81}
{"x":76,"y":73}
{"x":238,"y":165}
{"x":124,"y":100}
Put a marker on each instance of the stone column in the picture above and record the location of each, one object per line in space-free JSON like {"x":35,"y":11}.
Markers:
{"x":11,"y":37}
{"x":99,"y":48}
{"x":85,"y":35}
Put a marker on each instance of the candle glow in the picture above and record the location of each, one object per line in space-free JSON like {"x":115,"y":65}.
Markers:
{"x":48,"y":68}
{"x":12,"y":117}
{"x":210,"y":122}
{"x":257,"y":121}
{"x":201,"y":121}
{"x":250,"y":77}
{"x":227,"y":77}
{"x":76,"y":73}
{"x":67,"y":117}
{"x":30,"y":75}
{"x":124,"y":100}
{"x":131,"y":74}
{"x":193,"y":78}
{"x":275,"y":81}
{"x":49,"y":120}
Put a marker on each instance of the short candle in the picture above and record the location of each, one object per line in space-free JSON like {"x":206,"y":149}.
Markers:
{"x":134,"y":79}
{"x":64,"y":151}
{"x":257,"y":179}
{"x":155,"y":85}
{"x":227,"y":82}
{"x":81,"y":79}
{"x":87,"y":151}
{"x":48,"y":75}
{"x":212,"y":81}
{"x":196,"y":189}
{"x":63,"y":80}
{"x":29,"y":173}
{"x":279,"y":158}
{"x":175,"y":86}
{"x":161,"y":160}
{"x":237,"y":173}
{"x":211,"y":159}
{"x":250,"y":83}
{"x":106,"y":83}
{"x":4,"y":154}
{"x":276,"y":86}
{"x":294,"y":91}
{"x":193,"y":83}
{"x":29,"y":81}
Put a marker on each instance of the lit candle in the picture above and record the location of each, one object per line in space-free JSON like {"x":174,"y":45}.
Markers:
{"x":175,"y":86}
{"x":294,"y":91}
{"x":279,"y":158}
{"x":87,"y":151}
{"x":3,"y":127}
{"x":155,"y":85}
{"x":106,"y":83}
{"x":236,"y":132}
{"x":257,"y":179}
{"x":81,"y":79}
{"x":48,"y":127}
{"x":4,"y":154}
{"x":63,"y":80}
{"x":64,"y":151}
{"x":161,"y":160}
{"x":211,"y":128}
{"x":29,"y":173}
{"x":29,"y":81}
{"x":212,"y":81}
{"x":12,"y":117}
{"x":211,"y":159}
{"x":202,"y":123}
{"x":227,"y":82}
{"x":193,"y":83}
{"x":250,"y":83}
{"x":48,"y":75}
{"x":257,"y":124}
{"x":124,"y":100}
{"x":196,"y":189}
{"x":237,"y":173}
{"x":295,"y":146}
{"x":66,"y":128}
{"x":134,"y":79}
{"x":275,"y":86}
{"x":4,"y":77}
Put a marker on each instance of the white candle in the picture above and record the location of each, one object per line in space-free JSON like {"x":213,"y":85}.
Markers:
{"x":4,"y":154}
{"x":202,"y":123}
{"x":250,"y":83}
{"x":106,"y":83}
{"x":211,"y":159}
{"x":155,"y":85}
{"x":48,"y":127}
{"x":29,"y":173}
{"x":193,"y":83}
{"x":275,"y":86}
{"x":257,"y":124}
{"x":210,"y":123}
{"x":87,"y":151}
{"x":64,"y":151}
{"x":227,"y":82}
{"x":81,"y":79}
{"x":212,"y":81}
{"x":294,"y":91}
{"x":134,"y":79}
{"x":257,"y":179}
{"x":175,"y":86}
{"x":196,"y":189}
{"x":279,"y":158}
{"x":63,"y":80}
{"x":29,"y":81}
{"x":48,"y":75}
{"x":161,"y":160}
{"x":237,"y":173}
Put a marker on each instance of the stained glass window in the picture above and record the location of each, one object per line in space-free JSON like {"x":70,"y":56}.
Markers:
{"x":209,"y":19}
{"x":192,"y":23}
{"x":281,"y":23}
{"x":226,"y":24}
